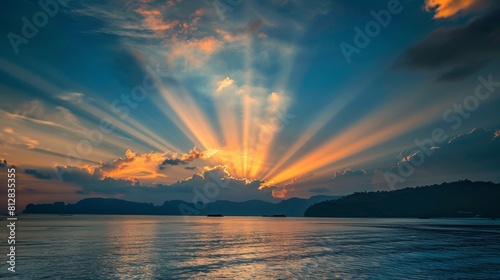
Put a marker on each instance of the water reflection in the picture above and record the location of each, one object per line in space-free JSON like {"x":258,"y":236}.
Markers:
{"x":243,"y":247}
{"x":165,"y":247}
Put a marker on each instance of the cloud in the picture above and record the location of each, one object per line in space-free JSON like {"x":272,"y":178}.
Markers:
{"x":471,"y":155}
{"x":37,"y":113}
{"x":93,"y":182}
{"x":193,"y":154}
{"x":344,"y":182}
{"x":3,"y":163}
{"x":134,"y":166}
{"x":211,"y":184}
{"x":193,"y":53}
{"x":450,"y":8}
{"x":119,"y":22}
{"x":141,"y":20}
{"x":240,"y":33}
{"x":37,"y":174}
{"x":341,"y":182}
{"x":69,"y":119}
{"x":72,"y":97}
{"x":227,"y":82}
{"x":154,"y":21}
{"x":145,"y":166}
{"x":13,"y":138}
{"x":217,"y":179}
{"x":87,"y":181}
{"x":287,"y":190}
{"x":280,"y":193}
{"x":254,"y":26}
{"x":457,"y":52}
{"x":206,"y":45}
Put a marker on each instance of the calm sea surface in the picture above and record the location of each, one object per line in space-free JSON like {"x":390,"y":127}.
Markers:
{"x":169,"y":247}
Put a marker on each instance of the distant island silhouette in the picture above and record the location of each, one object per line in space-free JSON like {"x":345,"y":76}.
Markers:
{"x":457,"y":199}
{"x":293,"y":207}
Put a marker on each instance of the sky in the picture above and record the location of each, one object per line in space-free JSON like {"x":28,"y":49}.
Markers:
{"x":236,"y":99}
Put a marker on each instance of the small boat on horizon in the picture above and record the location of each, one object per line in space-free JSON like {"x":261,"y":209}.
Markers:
{"x":215,"y":215}
{"x":276,"y":216}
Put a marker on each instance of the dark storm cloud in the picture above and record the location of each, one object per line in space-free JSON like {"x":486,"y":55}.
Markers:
{"x":457,"y":52}
{"x":37,"y":174}
{"x":92,"y":183}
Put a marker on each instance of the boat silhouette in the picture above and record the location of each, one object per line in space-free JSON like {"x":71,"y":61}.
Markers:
{"x":280,"y":215}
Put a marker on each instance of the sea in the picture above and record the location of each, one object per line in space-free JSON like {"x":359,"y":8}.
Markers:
{"x":177,"y":247}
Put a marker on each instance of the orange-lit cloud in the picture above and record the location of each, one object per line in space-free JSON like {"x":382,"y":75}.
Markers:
{"x":153,"y":20}
{"x":280,"y":193}
{"x":12,"y":137}
{"x":135,"y":166}
{"x":207,"y":44}
{"x":448,"y":8}
{"x":193,"y":52}
{"x":146,"y":165}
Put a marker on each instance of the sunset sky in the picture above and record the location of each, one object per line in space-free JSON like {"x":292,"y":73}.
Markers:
{"x":151,"y":100}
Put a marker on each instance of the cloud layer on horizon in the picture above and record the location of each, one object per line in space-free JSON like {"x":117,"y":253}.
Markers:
{"x":212,"y":183}
{"x":473,"y":155}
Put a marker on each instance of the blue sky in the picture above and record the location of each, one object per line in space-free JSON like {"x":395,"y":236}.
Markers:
{"x":146,"y":100}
